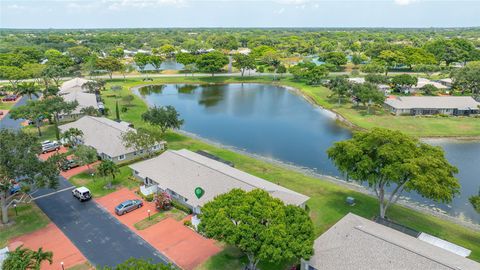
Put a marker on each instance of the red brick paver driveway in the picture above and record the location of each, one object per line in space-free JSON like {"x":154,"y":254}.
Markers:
{"x":180,"y":244}
{"x":71,"y":172}
{"x":51,"y":238}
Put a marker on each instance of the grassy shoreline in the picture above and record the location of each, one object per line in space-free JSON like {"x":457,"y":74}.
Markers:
{"x":327,"y":204}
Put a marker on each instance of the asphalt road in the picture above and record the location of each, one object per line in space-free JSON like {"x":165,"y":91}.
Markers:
{"x":101,"y":238}
{"x":8,"y":122}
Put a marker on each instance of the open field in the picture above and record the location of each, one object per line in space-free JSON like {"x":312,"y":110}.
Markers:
{"x":327,"y":203}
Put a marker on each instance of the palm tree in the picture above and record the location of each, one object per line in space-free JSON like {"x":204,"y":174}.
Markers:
{"x":39,"y":256}
{"x":27,"y":89}
{"x":106,"y":168}
{"x":90,"y":110}
{"x":72,"y":136}
{"x":24,"y":259}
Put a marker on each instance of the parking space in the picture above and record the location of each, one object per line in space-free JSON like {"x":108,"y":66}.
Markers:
{"x":51,"y":238}
{"x":73,"y":171}
{"x":179,"y":243}
{"x":49,"y":154}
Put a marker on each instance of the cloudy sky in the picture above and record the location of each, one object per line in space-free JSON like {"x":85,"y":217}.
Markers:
{"x":237,"y":13}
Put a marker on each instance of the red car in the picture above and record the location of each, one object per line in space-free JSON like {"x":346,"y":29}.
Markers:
{"x":10,"y":98}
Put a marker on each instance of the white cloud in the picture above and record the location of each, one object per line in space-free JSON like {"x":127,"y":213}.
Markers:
{"x":404,"y":2}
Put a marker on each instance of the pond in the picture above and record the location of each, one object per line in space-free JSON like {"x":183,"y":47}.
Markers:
{"x":277,"y":123}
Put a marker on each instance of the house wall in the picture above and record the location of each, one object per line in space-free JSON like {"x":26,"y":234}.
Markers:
{"x":130,"y":156}
{"x":70,"y":117}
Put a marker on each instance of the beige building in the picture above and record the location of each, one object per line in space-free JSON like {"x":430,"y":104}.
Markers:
{"x":105,"y":136}
{"x":425,"y":105}
{"x":180,"y":172}
{"x":74,"y":90}
{"x":361,"y":244}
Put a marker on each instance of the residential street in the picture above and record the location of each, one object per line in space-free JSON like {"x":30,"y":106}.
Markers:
{"x":102,"y":239}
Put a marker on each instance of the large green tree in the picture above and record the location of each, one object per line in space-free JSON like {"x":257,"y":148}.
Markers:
{"x":18,"y":160}
{"x":27,"y":89}
{"x":109,"y":64}
{"x":33,"y":111}
{"x":368,"y":94}
{"x":391,"y":162}
{"x":259,"y":225}
{"x":243,"y":62}
{"x":212,"y":62}
{"x":163,"y":117}
{"x":142,"y":139}
{"x":467,"y":79}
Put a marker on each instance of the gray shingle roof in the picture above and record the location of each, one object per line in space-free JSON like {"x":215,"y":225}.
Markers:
{"x":432,"y":103}
{"x":182,"y":171}
{"x":73,"y":83}
{"x":358,"y":243}
{"x":84,"y":100}
{"x":102,"y":134}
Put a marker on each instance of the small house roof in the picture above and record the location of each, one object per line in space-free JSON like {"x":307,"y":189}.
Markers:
{"x":356,"y":242}
{"x":102,"y":134}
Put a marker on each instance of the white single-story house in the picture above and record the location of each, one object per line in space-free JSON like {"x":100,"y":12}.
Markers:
{"x":386,"y":89}
{"x":104,"y":135}
{"x":74,"y":84}
{"x":427,"y":105}
{"x":180,"y":172}
{"x":73,"y":90}
{"x":358,"y":243}
{"x":421,"y":83}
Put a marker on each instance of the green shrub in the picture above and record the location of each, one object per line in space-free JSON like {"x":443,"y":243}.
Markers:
{"x":181,"y":207}
{"x":187,"y":223}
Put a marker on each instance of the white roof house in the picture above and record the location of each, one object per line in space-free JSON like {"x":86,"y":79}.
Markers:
{"x":72,"y":85}
{"x":422,"y":82}
{"x":358,"y":243}
{"x":182,"y":171}
{"x":102,"y":134}
{"x":84,"y":100}
{"x":436,"y":102}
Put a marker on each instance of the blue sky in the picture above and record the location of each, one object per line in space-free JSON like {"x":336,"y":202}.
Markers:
{"x":229,"y":13}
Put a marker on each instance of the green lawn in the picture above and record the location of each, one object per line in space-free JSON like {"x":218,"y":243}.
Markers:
{"x":6,"y":105}
{"x":159,"y":216}
{"x":30,"y":218}
{"x":97,"y":184}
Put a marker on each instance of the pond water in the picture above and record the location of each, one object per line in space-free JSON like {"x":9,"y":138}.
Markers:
{"x":277,"y":123}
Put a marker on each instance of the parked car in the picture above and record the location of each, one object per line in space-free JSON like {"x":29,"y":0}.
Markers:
{"x":69,"y":164}
{"x":49,"y":146}
{"x":128,"y":206}
{"x":82,"y":194}
{"x":10,"y":98}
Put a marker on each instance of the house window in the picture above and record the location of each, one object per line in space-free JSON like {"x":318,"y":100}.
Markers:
{"x":156,"y":147}
{"x":121,"y":157}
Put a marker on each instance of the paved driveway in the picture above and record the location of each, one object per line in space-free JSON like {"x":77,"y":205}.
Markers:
{"x":52,"y":239}
{"x":102,"y":239}
{"x":180,"y":244}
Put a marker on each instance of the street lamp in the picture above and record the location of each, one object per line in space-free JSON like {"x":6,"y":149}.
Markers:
{"x":148,"y":214}
{"x":15,"y":206}
{"x":63,"y":267}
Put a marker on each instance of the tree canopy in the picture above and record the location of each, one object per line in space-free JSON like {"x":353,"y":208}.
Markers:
{"x":259,"y":225}
{"x":391,"y":162}
{"x":165,"y":118}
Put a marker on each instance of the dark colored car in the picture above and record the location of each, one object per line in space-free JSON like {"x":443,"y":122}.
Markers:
{"x":69,"y":164}
{"x":128,"y":206}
